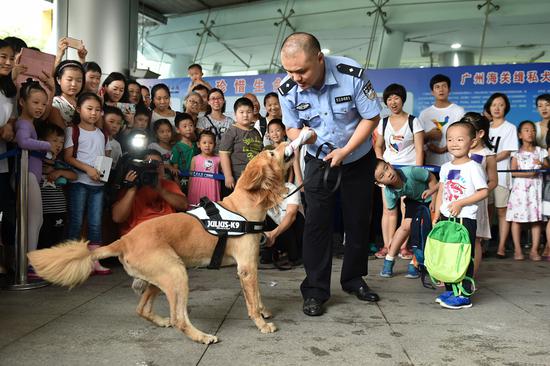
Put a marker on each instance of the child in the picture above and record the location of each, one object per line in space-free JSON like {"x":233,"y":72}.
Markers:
{"x":207,"y":162}
{"x":87,"y":190}
{"x":92,"y":76}
{"x":164,"y":133}
{"x":437,"y":118}
{"x":503,"y":137}
{"x":401,"y":142}
{"x":240,"y":143}
{"x":417,"y":185}
{"x":141,"y":121}
{"x":481,"y":152}
{"x":69,"y":83}
{"x":525,"y":203}
{"x":276,"y":131}
{"x":184,"y":150}
{"x":462,"y":185}
{"x":195,"y":73}
{"x":54,"y":178}
{"x":112,"y":123}
{"x":33,"y":102}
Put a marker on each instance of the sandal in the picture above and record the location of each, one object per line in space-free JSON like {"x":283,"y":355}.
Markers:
{"x":519,"y":257}
{"x":381,"y":254}
{"x":535,"y":257}
{"x":405,"y":254}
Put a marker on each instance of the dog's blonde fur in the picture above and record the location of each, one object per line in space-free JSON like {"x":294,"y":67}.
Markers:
{"x":158,"y":251}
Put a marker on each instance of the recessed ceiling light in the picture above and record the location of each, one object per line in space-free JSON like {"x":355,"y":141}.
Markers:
{"x":456,"y":46}
{"x":326,"y":51}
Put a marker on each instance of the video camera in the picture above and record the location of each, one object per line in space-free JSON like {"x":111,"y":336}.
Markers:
{"x":147,"y":173}
{"x":147,"y":170}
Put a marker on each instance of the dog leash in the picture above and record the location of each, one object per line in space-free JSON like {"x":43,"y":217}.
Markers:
{"x":325,"y":165}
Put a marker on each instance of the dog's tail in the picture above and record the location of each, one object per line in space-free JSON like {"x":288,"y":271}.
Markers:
{"x":70,"y":263}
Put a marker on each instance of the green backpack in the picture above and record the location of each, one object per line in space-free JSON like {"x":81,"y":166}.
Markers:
{"x":448,"y":254}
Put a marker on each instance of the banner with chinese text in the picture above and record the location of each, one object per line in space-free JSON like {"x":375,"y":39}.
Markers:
{"x":471,"y":86}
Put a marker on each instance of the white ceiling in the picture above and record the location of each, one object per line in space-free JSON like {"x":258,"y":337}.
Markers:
{"x":518,"y":32}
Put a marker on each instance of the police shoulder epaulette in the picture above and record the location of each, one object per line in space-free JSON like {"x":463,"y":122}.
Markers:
{"x":350,"y":70}
{"x":286,"y":86}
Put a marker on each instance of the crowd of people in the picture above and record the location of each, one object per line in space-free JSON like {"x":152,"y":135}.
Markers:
{"x":69,"y":118}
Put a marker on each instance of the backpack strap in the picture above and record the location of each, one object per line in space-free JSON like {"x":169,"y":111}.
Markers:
{"x":411,"y":120}
{"x":216,"y":131}
{"x":384,"y":125}
{"x":75,"y":136}
{"x":263,"y":126}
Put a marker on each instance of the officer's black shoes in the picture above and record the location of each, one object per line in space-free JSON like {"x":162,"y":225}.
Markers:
{"x":364,"y":293}
{"x":313,"y":307}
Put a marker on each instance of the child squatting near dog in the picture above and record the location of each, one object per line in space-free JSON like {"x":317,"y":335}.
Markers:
{"x":417,"y":185}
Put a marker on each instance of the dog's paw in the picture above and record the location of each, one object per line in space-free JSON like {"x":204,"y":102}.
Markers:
{"x":163,"y":322}
{"x":266,"y":314}
{"x":268,"y":328}
{"x":208,"y":339}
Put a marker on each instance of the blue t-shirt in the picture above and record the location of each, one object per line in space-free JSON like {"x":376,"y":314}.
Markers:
{"x":415,"y":182}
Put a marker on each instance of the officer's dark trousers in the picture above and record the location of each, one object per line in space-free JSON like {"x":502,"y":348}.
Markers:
{"x":356,"y":191}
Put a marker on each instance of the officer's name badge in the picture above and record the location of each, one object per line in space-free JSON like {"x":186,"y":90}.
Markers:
{"x":342,"y":99}
{"x":303,"y":106}
{"x":368,"y":90}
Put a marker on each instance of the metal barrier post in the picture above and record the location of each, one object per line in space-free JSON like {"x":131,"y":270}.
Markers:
{"x":21,"y":247}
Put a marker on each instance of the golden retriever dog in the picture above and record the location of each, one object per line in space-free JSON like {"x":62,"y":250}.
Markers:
{"x":159,"y":250}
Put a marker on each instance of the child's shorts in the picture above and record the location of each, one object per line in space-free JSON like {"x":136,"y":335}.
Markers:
{"x":411,"y":206}
{"x":499,"y":197}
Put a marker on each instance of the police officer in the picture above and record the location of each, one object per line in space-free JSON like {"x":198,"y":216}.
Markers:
{"x":334,"y":97}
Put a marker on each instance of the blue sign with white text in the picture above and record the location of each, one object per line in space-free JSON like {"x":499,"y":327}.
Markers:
{"x":471,"y":86}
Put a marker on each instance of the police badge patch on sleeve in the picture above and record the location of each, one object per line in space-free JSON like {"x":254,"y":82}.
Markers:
{"x":369,"y":92}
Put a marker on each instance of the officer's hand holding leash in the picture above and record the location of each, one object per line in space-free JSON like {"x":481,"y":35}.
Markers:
{"x":336,"y":156}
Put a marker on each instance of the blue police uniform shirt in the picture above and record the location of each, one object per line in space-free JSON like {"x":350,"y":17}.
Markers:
{"x":335,"y":110}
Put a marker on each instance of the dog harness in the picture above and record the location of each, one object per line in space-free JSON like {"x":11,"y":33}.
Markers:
{"x":219,"y":221}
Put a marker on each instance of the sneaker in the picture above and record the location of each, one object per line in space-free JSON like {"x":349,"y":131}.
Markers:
{"x":381,"y":254}
{"x":405,"y":254}
{"x":412,"y":272}
{"x":456,"y":302}
{"x":444,"y":295}
{"x":387,"y":269}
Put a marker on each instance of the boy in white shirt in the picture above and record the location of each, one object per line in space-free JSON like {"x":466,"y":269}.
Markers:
{"x":437,"y":118}
{"x":462,"y":184}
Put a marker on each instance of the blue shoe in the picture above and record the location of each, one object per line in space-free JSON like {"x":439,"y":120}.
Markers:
{"x":387,"y":269}
{"x":456,"y":302}
{"x":444,"y":296}
{"x":412,"y":272}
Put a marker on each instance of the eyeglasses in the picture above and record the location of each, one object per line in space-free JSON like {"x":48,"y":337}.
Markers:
{"x":194,"y":102}
{"x":216,"y":98}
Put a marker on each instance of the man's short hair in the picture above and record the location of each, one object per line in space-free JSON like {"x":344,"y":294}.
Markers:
{"x":142,"y":110}
{"x":107,"y":109}
{"x":182,"y":117}
{"x":195,"y":66}
{"x":200,"y":87}
{"x":438,"y":79}
{"x":304,"y":41}
{"x":91,"y":66}
{"x":152,"y":152}
{"x":47,"y":129}
{"x":242,"y":101}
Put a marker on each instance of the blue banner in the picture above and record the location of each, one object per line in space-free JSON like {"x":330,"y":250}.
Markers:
{"x":471,"y":86}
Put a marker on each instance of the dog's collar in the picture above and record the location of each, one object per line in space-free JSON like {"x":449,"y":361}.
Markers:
{"x":218,"y":220}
